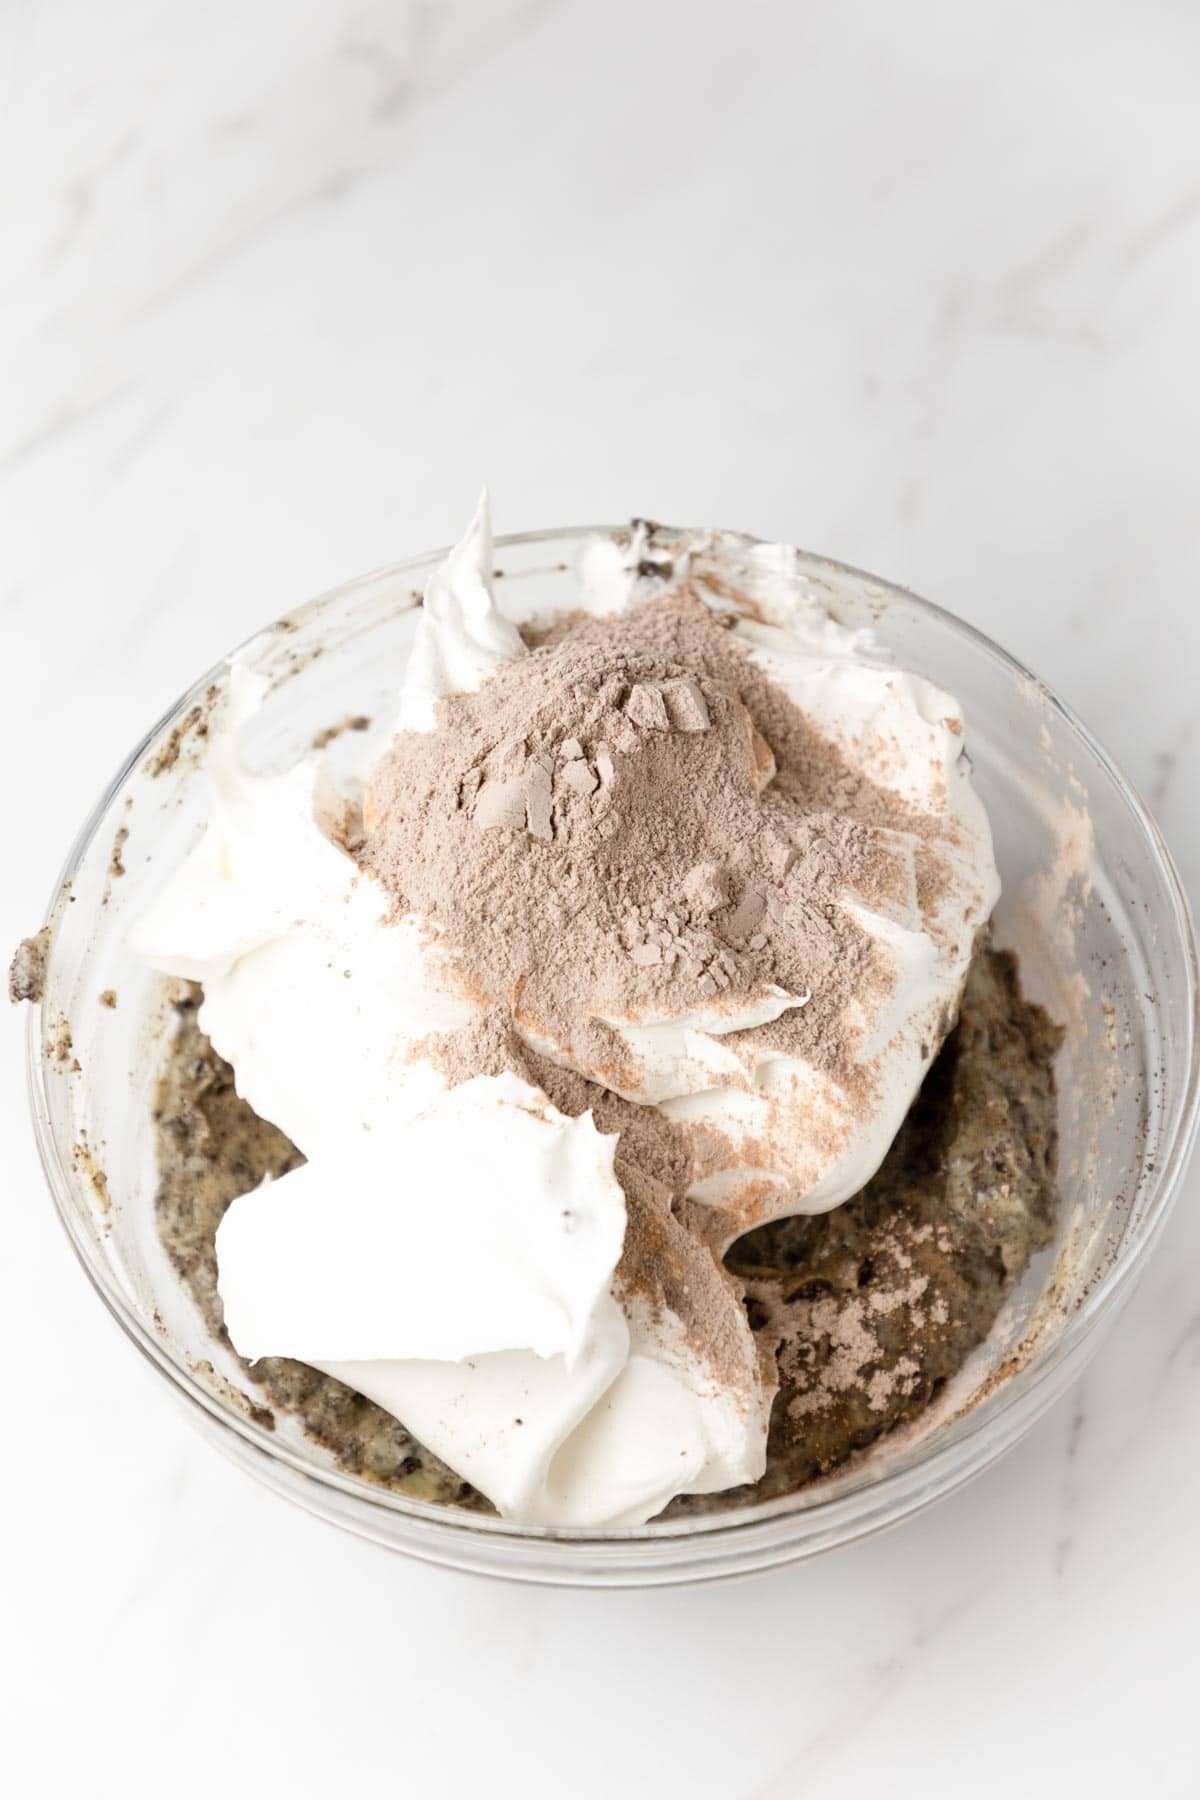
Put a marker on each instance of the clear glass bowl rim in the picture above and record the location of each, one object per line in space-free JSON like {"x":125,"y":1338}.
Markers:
{"x":755,"y":1536}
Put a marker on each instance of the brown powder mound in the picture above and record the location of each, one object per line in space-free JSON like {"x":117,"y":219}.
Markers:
{"x":633,"y":820}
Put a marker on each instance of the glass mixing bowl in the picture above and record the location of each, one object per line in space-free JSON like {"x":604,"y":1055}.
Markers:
{"x":1091,"y":902}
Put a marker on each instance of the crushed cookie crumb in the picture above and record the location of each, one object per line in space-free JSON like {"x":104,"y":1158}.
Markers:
{"x":27,"y":970}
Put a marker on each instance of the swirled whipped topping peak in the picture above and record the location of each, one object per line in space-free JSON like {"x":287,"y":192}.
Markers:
{"x":655,"y":916}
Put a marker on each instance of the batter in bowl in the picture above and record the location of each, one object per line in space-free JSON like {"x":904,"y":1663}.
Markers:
{"x":599,"y":1028}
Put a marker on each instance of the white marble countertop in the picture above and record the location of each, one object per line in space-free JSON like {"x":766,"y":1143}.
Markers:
{"x":284,"y":280}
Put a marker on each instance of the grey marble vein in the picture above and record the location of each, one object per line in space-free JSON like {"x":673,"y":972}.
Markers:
{"x":1181,"y":217}
{"x":1065,"y":1541}
{"x":877,"y":1688}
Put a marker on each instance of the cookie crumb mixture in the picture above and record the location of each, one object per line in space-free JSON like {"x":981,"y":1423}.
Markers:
{"x":867,"y":1311}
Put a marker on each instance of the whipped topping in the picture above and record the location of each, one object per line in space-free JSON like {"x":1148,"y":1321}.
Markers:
{"x":452,"y":1251}
{"x":462,"y":636}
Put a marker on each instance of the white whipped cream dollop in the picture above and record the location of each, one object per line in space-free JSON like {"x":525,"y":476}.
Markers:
{"x":462,"y":637}
{"x":451,"y":1252}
